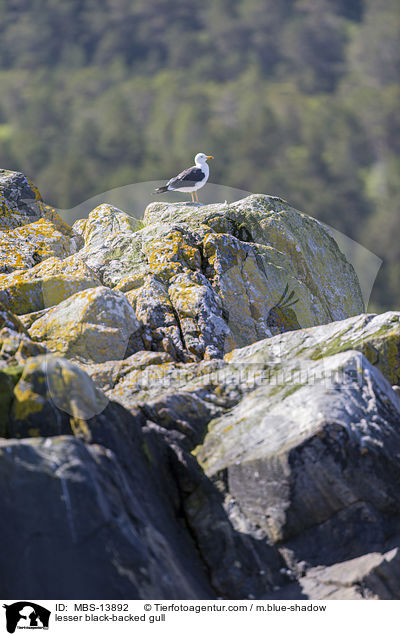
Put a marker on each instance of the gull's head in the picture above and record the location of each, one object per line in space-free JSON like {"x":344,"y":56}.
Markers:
{"x":202,"y":158}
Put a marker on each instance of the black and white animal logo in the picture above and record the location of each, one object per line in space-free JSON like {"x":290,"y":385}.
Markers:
{"x":25,"y":614}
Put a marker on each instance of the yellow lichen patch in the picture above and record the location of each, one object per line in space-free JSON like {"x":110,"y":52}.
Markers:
{"x":222,"y":251}
{"x":132,"y":297}
{"x":25,"y":296}
{"x":384,"y":353}
{"x":132,"y":381}
{"x":55,"y":266}
{"x":392,"y":354}
{"x":93,"y":324}
{"x":26,"y":401}
{"x":20,"y":246}
{"x":34,"y":189}
{"x":34,"y":432}
{"x":43,"y":231}
{"x":131,"y":282}
{"x":80,"y":428}
{"x":51,"y":215}
{"x":166,"y":271}
{"x":45,"y":285}
{"x":172,"y":249}
{"x":12,"y":254}
{"x":138,"y":383}
{"x":7,"y":216}
{"x":218,"y":224}
{"x":186,"y":296}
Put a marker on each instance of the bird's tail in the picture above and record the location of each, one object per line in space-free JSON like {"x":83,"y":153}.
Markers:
{"x":161,"y":190}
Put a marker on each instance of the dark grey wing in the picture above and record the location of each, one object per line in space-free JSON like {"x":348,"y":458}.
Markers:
{"x":187,"y":179}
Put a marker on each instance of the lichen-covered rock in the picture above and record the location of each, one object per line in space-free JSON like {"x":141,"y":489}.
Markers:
{"x":46,"y":284}
{"x":16,"y":347}
{"x":17,"y":193}
{"x":107,"y":374}
{"x":28,"y":319}
{"x":104,"y":221}
{"x":109,"y":238}
{"x":30,"y":230}
{"x":118,"y":258}
{"x":154,"y":309}
{"x":189,"y":395}
{"x":199,"y":312}
{"x":274,"y":236}
{"x":94,"y":324}
{"x":25,"y":246}
{"x":376,"y":336}
{"x":225,"y":276}
{"x":10,"y":320}
{"x":79,"y":226}
{"x":51,"y":397}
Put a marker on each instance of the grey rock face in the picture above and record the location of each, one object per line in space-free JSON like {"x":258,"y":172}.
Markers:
{"x":371,"y":576}
{"x":313,"y":452}
{"x":99,"y":536}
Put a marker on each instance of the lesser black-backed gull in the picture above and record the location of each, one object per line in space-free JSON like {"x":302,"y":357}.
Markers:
{"x":191,"y":179}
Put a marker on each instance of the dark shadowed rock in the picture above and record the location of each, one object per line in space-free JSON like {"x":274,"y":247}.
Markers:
{"x":78,"y":526}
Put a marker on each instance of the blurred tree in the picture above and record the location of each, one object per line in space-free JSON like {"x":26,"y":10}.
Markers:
{"x":314,"y":45}
{"x":375,"y":50}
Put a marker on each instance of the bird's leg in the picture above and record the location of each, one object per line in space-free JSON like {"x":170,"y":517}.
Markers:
{"x":191,"y":194}
{"x":197,"y":197}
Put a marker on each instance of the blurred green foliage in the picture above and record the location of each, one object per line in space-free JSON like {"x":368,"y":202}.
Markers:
{"x":297,"y":98}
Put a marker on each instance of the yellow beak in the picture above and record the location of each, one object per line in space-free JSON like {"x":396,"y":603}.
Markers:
{"x":210,"y":157}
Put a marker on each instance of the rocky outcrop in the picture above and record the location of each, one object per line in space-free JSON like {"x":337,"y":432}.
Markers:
{"x":203,"y":402}
{"x":30,"y":230}
{"x":205,"y":280}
